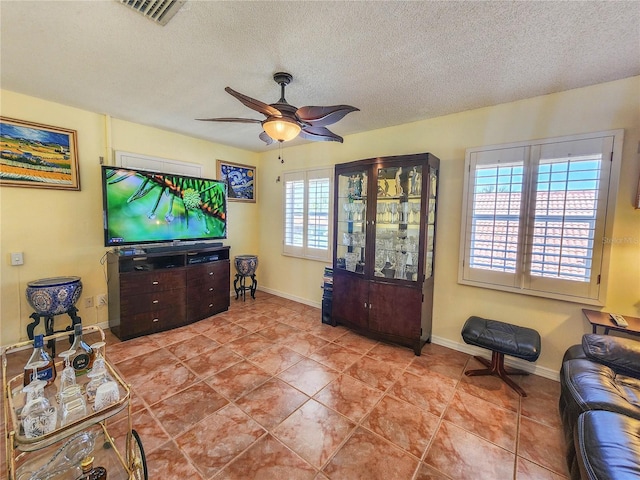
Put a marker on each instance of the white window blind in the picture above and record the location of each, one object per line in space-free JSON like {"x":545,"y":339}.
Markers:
{"x":307,"y":207}
{"x":294,"y":213}
{"x":318,"y":214}
{"x":535,"y":215}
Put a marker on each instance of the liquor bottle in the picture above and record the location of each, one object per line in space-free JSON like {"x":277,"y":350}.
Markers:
{"x":89,"y":472}
{"x":47,"y":372}
{"x":82,"y":361}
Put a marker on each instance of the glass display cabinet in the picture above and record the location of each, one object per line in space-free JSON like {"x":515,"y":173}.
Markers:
{"x":384,"y":246}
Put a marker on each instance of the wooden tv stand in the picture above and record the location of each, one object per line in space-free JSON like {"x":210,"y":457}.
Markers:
{"x":157,"y":291}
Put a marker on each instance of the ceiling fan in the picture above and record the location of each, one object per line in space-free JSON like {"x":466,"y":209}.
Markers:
{"x":285,"y":122}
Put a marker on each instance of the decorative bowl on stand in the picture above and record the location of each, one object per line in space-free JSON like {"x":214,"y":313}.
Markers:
{"x":246,"y":265}
{"x":53,"y":296}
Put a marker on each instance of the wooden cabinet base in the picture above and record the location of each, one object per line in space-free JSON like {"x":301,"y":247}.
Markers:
{"x":160,"y":291}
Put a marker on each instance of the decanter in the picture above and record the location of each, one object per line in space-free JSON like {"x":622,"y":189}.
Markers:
{"x":83,"y":359}
{"x":89,"y":472}
{"x":46,"y":370}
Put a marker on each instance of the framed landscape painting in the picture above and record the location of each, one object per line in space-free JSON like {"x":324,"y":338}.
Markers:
{"x":241,"y":180}
{"x":39,"y":156}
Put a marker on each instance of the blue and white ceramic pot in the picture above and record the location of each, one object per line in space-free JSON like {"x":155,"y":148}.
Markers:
{"x":53,"y":296}
{"x":246,"y":265}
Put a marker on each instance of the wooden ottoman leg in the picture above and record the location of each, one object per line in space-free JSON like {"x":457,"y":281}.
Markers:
{"x":497,"y":368}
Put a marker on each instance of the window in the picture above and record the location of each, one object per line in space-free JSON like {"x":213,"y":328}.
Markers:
{"x":307,"y":207}
{"x":536,"y":214}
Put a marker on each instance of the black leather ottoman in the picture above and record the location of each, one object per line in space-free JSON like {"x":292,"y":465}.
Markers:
{"x":602,"y":455}
{"x":502,"y":339}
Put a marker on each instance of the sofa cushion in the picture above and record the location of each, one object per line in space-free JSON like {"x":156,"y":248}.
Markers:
{"x":608,"y":445}
{"x":593,"y":386}
{"x":586,"y":385}
{"x":576,"y":351}
{"x":621,"y":354}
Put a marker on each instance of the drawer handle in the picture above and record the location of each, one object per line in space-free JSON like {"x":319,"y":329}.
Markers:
{"x":210,"y":305}
{"x":156,"y":301}
{"x":211,"y":289}
{"x":211,"y":274}
{"x":156,"y":319}
{"x":156,"y":282}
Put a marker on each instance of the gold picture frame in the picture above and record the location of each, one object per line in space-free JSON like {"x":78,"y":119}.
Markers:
{"x":241,"y":181}
{"x":38,"y":156}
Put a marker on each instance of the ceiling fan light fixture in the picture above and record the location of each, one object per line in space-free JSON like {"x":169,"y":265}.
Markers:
{"x":281,"y":129}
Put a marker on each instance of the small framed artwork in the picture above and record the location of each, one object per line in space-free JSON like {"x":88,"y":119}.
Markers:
{"x":241,"y":180}
{"x":38,"y":156}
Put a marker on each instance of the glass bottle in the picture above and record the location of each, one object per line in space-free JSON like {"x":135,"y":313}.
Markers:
{"x":47,"y":371}
{"x":82,"y":361}
{"x":89,"y":472}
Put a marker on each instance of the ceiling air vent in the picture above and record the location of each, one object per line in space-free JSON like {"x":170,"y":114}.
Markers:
{"x":158,"y":11}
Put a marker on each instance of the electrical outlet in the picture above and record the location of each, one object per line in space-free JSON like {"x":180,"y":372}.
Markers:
{"x":88,"y":302}
{"x":101,"y":300}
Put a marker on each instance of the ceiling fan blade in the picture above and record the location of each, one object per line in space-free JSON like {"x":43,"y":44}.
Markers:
{"x":265,"y":138}
{"x":319,"y":134}
{"x":254,"y":104}
{"x":323,"y":116}
{"x":236,"y":120}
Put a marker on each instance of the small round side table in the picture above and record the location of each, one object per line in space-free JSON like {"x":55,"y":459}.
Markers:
{"x":246,"y":266}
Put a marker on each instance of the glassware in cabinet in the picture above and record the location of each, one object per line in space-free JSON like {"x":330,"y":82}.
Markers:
{"x":397,"y":232}
{"x":351,"y":221}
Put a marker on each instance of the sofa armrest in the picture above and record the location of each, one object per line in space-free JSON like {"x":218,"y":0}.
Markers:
{"x":620,"y":354}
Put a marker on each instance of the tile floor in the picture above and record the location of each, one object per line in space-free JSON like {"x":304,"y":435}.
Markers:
{"x":266,"y":391}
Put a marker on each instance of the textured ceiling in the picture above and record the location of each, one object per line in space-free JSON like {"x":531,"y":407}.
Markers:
{"x":398,"y":62}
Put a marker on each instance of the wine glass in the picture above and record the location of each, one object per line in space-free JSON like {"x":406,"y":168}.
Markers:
{"x":415,"y":209}
{"x":394,"y":212}
{"x":347,"y":209}
{"x":98,"y":374}
{"x":38,"y":416}
{"x":68,"y":375}
{"x":360,"y":209}
{"x":33,"y":390}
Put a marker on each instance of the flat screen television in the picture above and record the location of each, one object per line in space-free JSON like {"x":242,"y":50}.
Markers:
{"x":143,"y":207}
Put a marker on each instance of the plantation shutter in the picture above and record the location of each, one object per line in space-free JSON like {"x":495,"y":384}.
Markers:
{"x":307,"y":216}
{"x":294,"y":213}
{"x":536,"y":216}
{"x":570,"y":191}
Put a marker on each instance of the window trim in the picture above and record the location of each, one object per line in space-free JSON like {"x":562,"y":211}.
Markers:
{"x":305,"y":251}
{"x":601,"y":258}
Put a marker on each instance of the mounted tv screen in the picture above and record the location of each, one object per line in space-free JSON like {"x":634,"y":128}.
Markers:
{"x":143,"y":207}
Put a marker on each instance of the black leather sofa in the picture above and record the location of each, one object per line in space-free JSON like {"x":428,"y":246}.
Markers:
{"x":600,"y":408}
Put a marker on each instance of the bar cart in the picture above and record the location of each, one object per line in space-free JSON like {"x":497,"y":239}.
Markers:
{"x":56,"y":455}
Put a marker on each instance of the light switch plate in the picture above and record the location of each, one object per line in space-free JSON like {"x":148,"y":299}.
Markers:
{"x":17,"y":258}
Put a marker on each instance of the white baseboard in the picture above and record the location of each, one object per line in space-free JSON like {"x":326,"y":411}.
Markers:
{"x":511,"y":362}
{"x":290,"y":297}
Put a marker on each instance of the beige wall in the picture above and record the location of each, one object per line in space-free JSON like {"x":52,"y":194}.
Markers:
{"x":60,"y":232}
{"x":561,"y":324}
